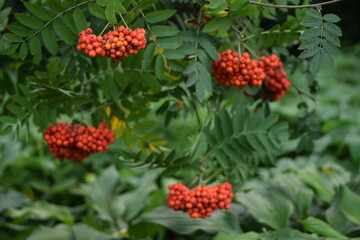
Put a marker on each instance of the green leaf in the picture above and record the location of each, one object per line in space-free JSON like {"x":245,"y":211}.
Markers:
{"x":329,"y":48}
{"x":79,"y":19}
{"x":97,"y":11}
{"x":331,"y":18}
{"x":102,"y":2}
{"x":349,"y":204}
{"x":164,"y":31}
{"x":311,"y":177}
{"x":314,"y":13}
{"x":204,"y":78}
{"x":109,"y":86}
{"x":267,"y":205}
{"x":11,"y":199}
{"x":23,"y":51}
{"x":18,"y":111}
{"x":148,"y":55}
{"x":35,"y":47}
{"x":159,"y":16}
{"x":331,"y":27}
{"x":84,"y":232}
{"x":244,"y":236}
{"x":200,"y":91}
{"x":337,"y":219}
{"x":216,"y":3}
{"x":181,"y":223}
{"x":174,"y":54}
{"x":49,"y":41}
{"x":246,"y":11}
{"x":311,"y":22}
{"x":309,"y":53}
{"x":102,"y":194}
{"x":321,"y":228}
{"x":311,"y":43}
{"x":217,"y":24}
{"x":168,"y":43}
{"x":135,"y":200}
{"x":40,"y":12}
{"x":159,"y":67}
{"x":5,"y":131}
{"x":28,"y":21}
{"x":63,"y":32}
{"x":59,"y":232}
{"x":68,"y":20}
{"x":151,"y":82}
{"x":4,"y":14}
{"x":43,"y":210}
{"x":12,"y":37}
{"x":110,"y":15}
{"x":316,"y":62}
{"x":331,"y":37}
{"x":209,"y":48}
{"x":310,"y":33}
{"x":236,"y":5}
{"x":11,"y":49}
{"x":116,"y":5}
{"x":20,"y":31}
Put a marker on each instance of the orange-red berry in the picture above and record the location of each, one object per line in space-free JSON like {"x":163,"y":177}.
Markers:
{"x":201,"y":201}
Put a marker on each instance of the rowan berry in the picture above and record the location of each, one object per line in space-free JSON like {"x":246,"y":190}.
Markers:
{"x":232,"y":69}
{"x":201,"y":201}
{"x":276,"y":83}
{"x":77,"y":142}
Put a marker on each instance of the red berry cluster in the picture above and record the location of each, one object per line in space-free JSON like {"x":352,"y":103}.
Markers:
{"x":232,"y":69}
{"x":90,"y":43}
{"x":122,"y":42}
{"x":201,"y":201}
{"x":117,"y":44}
{"x":276,"y":84}
{"x":77,"y":142}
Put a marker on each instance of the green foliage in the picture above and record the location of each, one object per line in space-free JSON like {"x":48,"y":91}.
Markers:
{"x":290,"y":167}
{"x":234,"y":143}
{"x":321,"y":39}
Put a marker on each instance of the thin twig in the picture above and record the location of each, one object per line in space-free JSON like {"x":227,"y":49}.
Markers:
{"x":293,"y":6}
{"x":123,"y":20}
{"x":238,"y":37}
{"x":104,"y":28}
{"x":46,"y":24}
{"x":273,"y":31}
{"x":301,"y":92}
{"x":249,"y":49}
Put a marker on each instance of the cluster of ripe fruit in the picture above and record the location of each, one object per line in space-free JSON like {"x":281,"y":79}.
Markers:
{"x":201,"y":201}
{"x":240,"y":71}
{"x":117,"y":44}
{"x":77,"y":142}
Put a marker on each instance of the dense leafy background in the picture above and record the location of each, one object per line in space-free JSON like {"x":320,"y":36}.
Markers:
{"x":294,"y":164}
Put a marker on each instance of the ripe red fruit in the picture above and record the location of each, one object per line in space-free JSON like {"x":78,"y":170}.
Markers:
{"x":201,"y":201}
{"x":276,"y":83}
{"x":232,"y":69}
{"x":77,"y":142}
{"x":117,"y":44}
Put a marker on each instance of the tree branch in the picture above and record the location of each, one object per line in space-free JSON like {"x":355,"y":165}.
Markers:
{"x":301,"y":92}
{"x":293,"y":6}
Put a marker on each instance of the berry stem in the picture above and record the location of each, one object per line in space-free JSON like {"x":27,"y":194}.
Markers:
{"x":272,"y":31}
{"x":301,"y":92}
{"x":250,"y":51}
{"x":238,"y":36}
{"x":293,"y":6}
{"x":63,"y":12}
{"x":104,"y":28}
{"x":123,"y":20}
